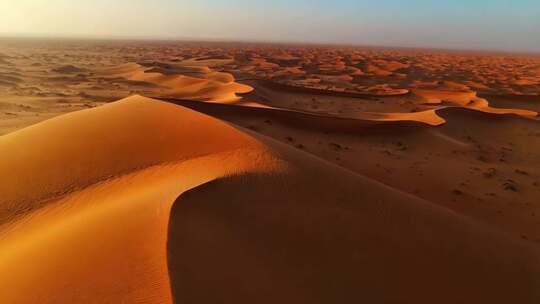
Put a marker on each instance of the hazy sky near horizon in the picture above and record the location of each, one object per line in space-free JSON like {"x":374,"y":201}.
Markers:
{"x":466,"y":24}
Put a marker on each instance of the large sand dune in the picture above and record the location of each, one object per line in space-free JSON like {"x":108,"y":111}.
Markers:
{"x":141,"y":201}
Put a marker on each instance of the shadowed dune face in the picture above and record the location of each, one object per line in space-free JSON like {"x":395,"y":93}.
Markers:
{"x":246,"y":212}
{"x":479,"y":165}
{"x":261,"y":246}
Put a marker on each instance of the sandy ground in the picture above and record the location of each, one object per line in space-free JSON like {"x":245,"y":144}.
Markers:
{"x":267,"y":173}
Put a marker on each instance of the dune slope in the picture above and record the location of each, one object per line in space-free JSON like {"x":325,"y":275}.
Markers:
{"x":141,"y":201}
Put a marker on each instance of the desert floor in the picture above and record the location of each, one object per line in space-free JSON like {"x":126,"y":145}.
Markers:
{"x":159,"y":172}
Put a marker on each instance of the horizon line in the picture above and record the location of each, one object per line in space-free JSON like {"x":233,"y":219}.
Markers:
{"x":112,"y":38}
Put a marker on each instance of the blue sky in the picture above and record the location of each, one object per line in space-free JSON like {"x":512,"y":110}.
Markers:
{"x":473,"y":24}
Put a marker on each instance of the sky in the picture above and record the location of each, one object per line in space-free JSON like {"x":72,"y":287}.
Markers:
{"x":512,"y":25}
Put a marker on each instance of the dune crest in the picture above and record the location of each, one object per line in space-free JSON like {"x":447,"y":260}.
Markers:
{"x":467,"y":100}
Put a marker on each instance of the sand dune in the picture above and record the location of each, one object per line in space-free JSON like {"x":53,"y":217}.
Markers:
{"x":127,"y":216}
{"x":469,"y":100}
{"x":222,"y":88}
{"x":214,"y":86}
{"x":489,"y":171}
{"x":272,"y":174}
{"x":99,"y":198}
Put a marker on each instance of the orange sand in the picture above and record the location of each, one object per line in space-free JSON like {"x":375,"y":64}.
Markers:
{"x":246,"y":211}
{"x":315,"y":174}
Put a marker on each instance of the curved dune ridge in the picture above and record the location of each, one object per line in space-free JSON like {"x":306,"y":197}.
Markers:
{"x":209,"y":85}
{"x":437,"y":100}
{"x":141,"y":201}
{"x":194,"y":80}
{"x":468,"y":100}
